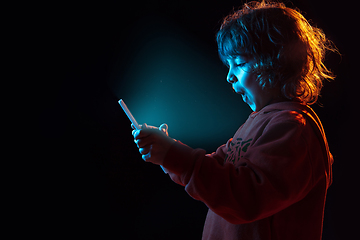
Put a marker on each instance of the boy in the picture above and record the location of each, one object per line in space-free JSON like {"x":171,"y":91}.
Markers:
{"x":270,"y":180}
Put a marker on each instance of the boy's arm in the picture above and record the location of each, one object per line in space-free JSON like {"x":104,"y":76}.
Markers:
{"x":275,"y":173}
{"x":219,"y":156}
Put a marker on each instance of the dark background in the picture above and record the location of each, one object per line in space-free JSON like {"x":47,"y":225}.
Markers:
{"x":94,"y":181}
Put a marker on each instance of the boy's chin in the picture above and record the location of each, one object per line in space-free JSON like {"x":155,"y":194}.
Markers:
{"x":252,"y":106}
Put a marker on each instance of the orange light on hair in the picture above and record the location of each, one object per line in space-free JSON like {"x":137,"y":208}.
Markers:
{"x":288,"y":51}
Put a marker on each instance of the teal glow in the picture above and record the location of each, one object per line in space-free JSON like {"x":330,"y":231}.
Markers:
{"x":171,"y":78}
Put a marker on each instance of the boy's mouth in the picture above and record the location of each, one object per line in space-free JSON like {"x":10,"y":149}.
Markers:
{"x":242,"y":93}
{"x":238,"y":91}
{"x":244,"y":97}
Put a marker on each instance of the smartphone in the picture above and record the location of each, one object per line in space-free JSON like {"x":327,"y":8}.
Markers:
{"x":128,"y":114}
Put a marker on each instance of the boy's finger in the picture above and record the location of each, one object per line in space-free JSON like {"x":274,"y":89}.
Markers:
{"x":145,"y":141}
{"x":146,"y":157}
{"x":143,"y":133}
{"x":145,"y":150}
{"x":164,"y":128}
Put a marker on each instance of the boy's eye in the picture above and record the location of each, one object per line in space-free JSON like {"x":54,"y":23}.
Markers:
{"x":240,"y":64}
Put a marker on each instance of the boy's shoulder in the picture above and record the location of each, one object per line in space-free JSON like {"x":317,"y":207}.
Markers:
{"x":285,"y":112}
{"x":289,"y":116}
{"x":276,"y":117}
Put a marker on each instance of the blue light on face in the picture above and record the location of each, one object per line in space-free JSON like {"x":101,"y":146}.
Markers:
{"x":173,"y":79}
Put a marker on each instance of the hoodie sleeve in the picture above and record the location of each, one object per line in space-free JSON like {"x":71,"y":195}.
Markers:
{"x":275,"y":172}
{"x":183,"y":152}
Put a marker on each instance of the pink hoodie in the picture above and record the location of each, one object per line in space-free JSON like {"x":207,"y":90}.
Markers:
{"x":267,"y":182}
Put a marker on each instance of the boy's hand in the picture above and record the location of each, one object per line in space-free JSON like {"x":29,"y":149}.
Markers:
{"x":152,"y":143}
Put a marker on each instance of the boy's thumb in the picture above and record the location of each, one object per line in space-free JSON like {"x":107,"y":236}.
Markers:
{"x":164,"y":127}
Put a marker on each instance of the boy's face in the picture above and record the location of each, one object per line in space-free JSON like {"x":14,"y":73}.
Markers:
{"x":243,"y":81}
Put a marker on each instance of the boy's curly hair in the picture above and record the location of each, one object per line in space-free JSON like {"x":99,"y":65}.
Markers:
{"x":288,"y":51}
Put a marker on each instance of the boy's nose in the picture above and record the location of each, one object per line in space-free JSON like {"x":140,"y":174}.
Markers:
{"x":231,"y":78}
